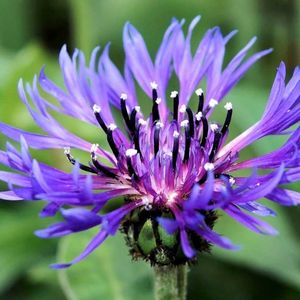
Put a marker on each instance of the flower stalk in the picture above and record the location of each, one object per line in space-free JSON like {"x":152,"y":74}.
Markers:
{"x":170,"y":282}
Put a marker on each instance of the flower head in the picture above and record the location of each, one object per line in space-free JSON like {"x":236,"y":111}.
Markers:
{"x":174,"y":167}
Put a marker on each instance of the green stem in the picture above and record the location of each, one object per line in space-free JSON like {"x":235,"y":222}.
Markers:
{"x":170,"y":282}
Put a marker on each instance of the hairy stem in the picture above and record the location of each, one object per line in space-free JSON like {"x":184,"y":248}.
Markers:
{"x":170,"y":282}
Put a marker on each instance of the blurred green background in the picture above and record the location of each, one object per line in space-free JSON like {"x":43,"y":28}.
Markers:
{"x":31,"y":34}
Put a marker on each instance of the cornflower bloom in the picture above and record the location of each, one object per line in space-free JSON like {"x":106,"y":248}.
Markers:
{"x":173,"y":167}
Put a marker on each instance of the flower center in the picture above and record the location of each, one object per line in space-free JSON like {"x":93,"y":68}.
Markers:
{"x":162,"y":161}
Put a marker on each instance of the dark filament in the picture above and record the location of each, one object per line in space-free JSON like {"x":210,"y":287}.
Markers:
{"x":155,"y":112}
{"x":125,"y":113}
{"x":191,"y":121}
{"x":100,"y":121}
{"x":132,"y":120}
{"x":187,"y":144}
{"x":175,"y":107}
{"x":204,"y":131}
{"x":101,"y":168}
{"x":156,"y":139}
{"x":215,"y":146}
{"x":81,"y":166}
{"x":227,"y":121}
{"x":111,"y":143}
{"x":175,"y":151}
{"x":136,"y":140}
{"x":131,"y":170}
{"x":200,"y":103}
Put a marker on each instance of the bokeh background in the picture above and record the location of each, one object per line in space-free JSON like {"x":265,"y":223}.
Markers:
{"x":31,"y":35}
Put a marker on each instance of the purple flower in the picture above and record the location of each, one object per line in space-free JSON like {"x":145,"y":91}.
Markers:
{"x":173,"y":168}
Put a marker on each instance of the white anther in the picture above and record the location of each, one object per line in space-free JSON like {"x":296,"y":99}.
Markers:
{"x":142,"y":122}
{"x":137,"y":108}
{"x":209,"y":166}
{"x":175,"y":134}
{"x":199,"y":92}
{"x":123,"y":96}
{"x":145,"y":201}
{"x":198,"y":116}
{"x":184,"y":123}
{"x":159,"y":125}
{"x":231,"y":180}
{"x":131,"y":152}
{"x":96,"y":108}
{"x":153,"y":85}
{"x":158,"y":100}
{"x":168,"y":154}
{"x":94,"y":148}
{"x":214,"y":127}
{"x":173,"y":94}
{"x":182,"y":108}
{"x":112,"y":126}
{"x":148,"y":206}
{"x":67,"y":150}
{"x":228,"y":106}
{"x":212,"y":103}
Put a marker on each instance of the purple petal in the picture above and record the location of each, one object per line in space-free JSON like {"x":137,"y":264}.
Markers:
{"x":250,"y":222}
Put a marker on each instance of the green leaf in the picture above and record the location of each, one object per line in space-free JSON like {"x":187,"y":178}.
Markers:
{"x":108,"y":273}
{"x":19,"y":248}
{"x":277,"y":256}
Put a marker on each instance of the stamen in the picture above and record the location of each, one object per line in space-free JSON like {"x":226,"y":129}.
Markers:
{"x":98,"y":166}
{"x":129,"y":154}
{"x":213,"y":103}
{"x":182,"y":109}
{"x":94,"y":148}
{"x":186,"y":126}
{"x":124,"y":96}
{"x":142,"y":122}
{"x":175,"y":149}
{"x":174,"y":94}
{"x":155,"y":111}
{"x":133,"y":118}
{"x":158,"y":126}
{"x":200,"y":94}
{"x":214,"y":127}
{"x":184,"y":123}
{"x":191,"y":121}
{"x":97,"y":111}
{"x":124,"y":111}
{"x":136,"y":140}
{"x":67,"y":152}
{"x":228,"y":107}
{"x":231,"y":180}
{"x":111,"y":141}
{"x":175,"y":97}
{"x":198,"y":117}
{"x":215,"y":146}
{"x":112,"y":126}
{"x":154,"y":85}
{"x":204,"y":131}
{"x":209,"y":166}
